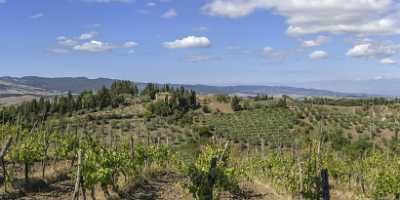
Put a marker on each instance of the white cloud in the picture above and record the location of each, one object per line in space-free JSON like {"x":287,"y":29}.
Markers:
{"x":318,"y":55}
{"x":171,"y":13}
{"x":320,"y":40}
{"x":88,"y":36}
{"x":68,"y":44}
{"x":388,"y":61}
{"x":94,"y":46}
{"x":36,"y":16}
{"x":378,"y":77}
{"x":317,"y":16}
{"x":188,"y":42}
{"x":130,"y":44}
{"x":373,"y":49}
{"x":361,"y":50}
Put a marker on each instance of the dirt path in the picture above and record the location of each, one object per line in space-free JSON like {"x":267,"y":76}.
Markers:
{"x":265,"y":191}
{"x":166,"y":186}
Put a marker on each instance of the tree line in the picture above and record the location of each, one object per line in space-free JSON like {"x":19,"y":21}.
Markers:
{"x":173,"y":100}
{"x":351,"y":102}
{"x":40,"y":109}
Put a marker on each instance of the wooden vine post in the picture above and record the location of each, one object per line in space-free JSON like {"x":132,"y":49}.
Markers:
{"x":262,"y":148}
{"x":209,"y":190}
{"x":3,"y":152}
{"x":301,"y":180}
{"x":132,"y":147}
{"x":5,"y":147}
{"x":325,"y":184}
{"x":46,"y":145}
{"x":78,"y":176}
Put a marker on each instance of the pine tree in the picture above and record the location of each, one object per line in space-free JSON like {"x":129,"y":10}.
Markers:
{"x":150,"y":90}
{"x":235,"y":104}
{"x":103,"y":98}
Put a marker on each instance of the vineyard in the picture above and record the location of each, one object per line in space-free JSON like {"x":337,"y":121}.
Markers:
{"x":252,"y":126}
{"x":120,"y":144}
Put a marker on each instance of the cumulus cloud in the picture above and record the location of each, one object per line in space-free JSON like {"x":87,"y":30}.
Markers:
{"x":318,"y":55}
{"x":388,"y":61}
{"x":99,"y":46}
{"x":320,"y":40}
{"x":88,"y":36}
{"x":171,"y":13}
{"x":67,"y":44}
{"x":361,"y":50}
{"x":188,"y":42}
{"x":94,"y":46}
{"x":373,"y":49}
{"x":317,"y":16}
{"x":36,"y":16}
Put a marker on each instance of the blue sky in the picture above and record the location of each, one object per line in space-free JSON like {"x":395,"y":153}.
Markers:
{"x":202,"y":41}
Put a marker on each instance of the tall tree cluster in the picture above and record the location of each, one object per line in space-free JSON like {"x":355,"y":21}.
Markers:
{"x":175,"y":100}
{"x":235,"y":103}
{"x":124,"y":87}
{"x":37,"y":110}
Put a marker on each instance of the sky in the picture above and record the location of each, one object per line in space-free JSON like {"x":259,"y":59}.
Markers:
{"x":218,"y":42}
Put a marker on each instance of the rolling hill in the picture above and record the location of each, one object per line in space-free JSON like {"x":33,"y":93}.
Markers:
{"x":384,"y":87}
{"x":40,"y":86}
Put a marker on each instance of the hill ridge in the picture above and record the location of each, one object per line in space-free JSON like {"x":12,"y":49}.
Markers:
{"x":78,"y":84}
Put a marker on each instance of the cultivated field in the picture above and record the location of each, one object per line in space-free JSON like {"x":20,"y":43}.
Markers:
{"x":120,"y":143}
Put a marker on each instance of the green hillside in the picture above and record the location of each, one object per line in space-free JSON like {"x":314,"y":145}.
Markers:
{"x":171,"y":143}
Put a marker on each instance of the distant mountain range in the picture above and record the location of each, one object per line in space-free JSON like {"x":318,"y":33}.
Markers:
{"x":383,"y":87}
{"x":40,"y":86}
{"x":64,"y":84}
